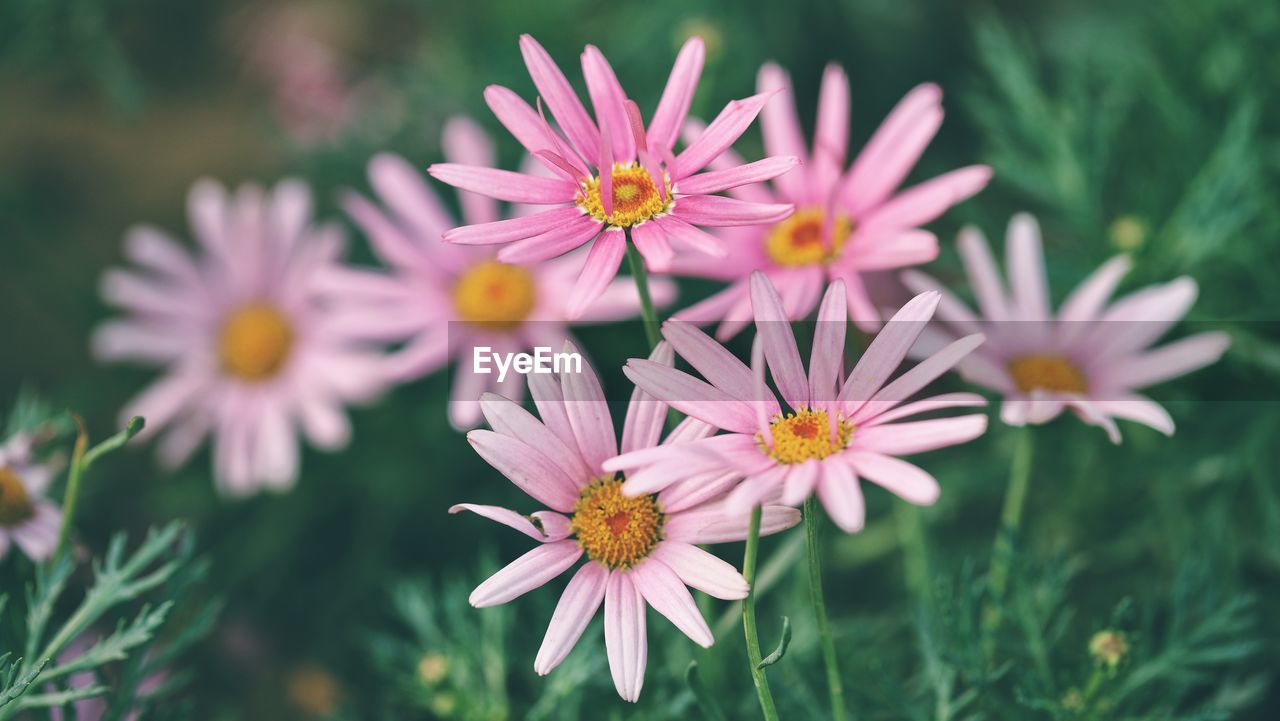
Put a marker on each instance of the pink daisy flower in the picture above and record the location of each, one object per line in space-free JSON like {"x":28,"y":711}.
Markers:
{"x":251,"y":354}
{"x":445,"y":300}
{"x":833,"y":433}
{"x":1092,"y":357}
{"x":26,"y":517}
{"x":617,"y":178}
{"x":847,"y":222}
{"x":640,"y":549}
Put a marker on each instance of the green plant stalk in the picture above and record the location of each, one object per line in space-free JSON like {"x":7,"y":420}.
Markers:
{"x":652,"y":329}
{"x":749,"y":619}
{"x":834,"y":683}
{"x":915,"y":549}
{"x":1010,"y":523}
{"x":82,"y":457}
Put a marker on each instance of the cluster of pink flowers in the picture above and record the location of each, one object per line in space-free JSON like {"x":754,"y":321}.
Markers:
{"x":266,"y":333}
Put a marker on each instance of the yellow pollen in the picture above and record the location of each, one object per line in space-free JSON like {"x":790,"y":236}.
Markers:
{"x":1047,"y":373}
{"x":798,"y":437}
{"x":635,"y":197}
{"x":798,"y":240}
{"x":495,"y":295}
{"x":613,"y":529}
{"x":15,"y":506}
{"x":255,"y":343}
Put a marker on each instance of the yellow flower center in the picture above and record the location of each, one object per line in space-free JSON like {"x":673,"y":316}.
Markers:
{"x":255,"y":343}
{"x":495,"y":295}
{"x":1047,"y":373}
{"x":805,"y":435}
{"x":613,"y":529}
{"x":799,"y":240}
{"x":15,"y":506}
{"x":635,"y":197}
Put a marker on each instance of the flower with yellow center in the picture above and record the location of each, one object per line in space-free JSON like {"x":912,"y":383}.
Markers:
{"x":15,"y":505}
{"x":1047,"y":373}
{"x":495,"y":295}
{"x":800,"y":240}
{"x":635,"y":197}
{"x":616,"y":530}
{"x":805,"y":435}
{"x":255,"y":342}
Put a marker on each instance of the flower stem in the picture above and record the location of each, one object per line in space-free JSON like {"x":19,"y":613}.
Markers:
{"x":82,"y":457}
{"x":652,"y":330}
{"x":1010,"y":522}
{"x":834,"y":683}
{"x":749,"y":619}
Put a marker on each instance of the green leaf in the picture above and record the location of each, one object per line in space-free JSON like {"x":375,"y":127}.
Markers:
{"x":781,"y":650}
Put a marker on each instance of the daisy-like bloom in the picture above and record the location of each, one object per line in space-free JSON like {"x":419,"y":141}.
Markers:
{"x":446,"y":300}
{"x":830,"y":434}
{"x":1091,"y":357}
{"x":614,"y":176}
{"x":640,"y":549}
{"x":26,"y":518}
{"x":252,"y":351}
{"x":847,"y":222}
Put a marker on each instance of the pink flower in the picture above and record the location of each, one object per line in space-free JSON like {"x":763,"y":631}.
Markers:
{"x":833,"y":433}
{"x":251,"y":354}
{"x":847,"y":223}
{"x":26,"y":517}
{"x":446,"y":300}
{"x":641,"y":549}
{"x":619,"y":175}
{"x":1091,"y":357}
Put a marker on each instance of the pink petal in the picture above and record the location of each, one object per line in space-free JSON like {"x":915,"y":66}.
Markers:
{"x":944,"y":401}
{"x":694,"y":238}
{"x":510,"y":419}
{"x":588,"y":413}
{"x":662,"y":588}
{"x":1168,"y":361}
{"x":826,"y":359}
{"x":841,"y":495}
{"x":624,"y":635}
{"x":714,"y":210}
{"x":983,"y":274}
{"x":523,"y":122}
{"x":566,"y":236}
{"x":1134,"y":407}
{"x":505,"y":184}
{"x":652,"y":243}
{"x":692,"y":396}
{"x":1137,"y":320}
{"x":927,"y":201}
{"x":800,"y":482}
{"x":774,"y":329}
{"x":781,"y":127}
{"x":755,"y":489}
{"x":577,"y":606}
{"x":513,"y":228}
{"x":831,"y":139}
{"x":701,"y":570}
{"x":599,"y":269}
{"x":728,"y":126}
{"x":560,"y":98}
{"x":894,"y":148}
{"x":711,"y":524}
{"x":526,"y":573}
{"x":720,"y":367}
{"x":904,"y":439}
{"x":517,"y":521}
{"x":908,"y":482}
{"x":388,"y":239}
{"x":888,"y":349}
{"x":1090,"y":297}
{"x":924,"y":373}
{"x":646,"y":415}
{"x":898,"y":250}
{"x":697,"y":489}
{"x":465,"y":143}
{"x":1027,"y":282}
{"x":548,"y":398}
{"x":405,"y":191}
{"x":608,"y":99}
{"x":673,"y":108}
{"x":533,"y":472}
{"x":719,"y":180}
{"x":208,"y":213}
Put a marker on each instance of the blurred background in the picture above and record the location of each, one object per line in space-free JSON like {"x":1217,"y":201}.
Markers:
{"x":1151,"y":128}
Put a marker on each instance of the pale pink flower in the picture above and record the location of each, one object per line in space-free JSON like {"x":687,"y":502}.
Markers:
{"x":833,"y":433}
{"x":847,"y":223}
{"x":445,"y":300}
{"x":632,"y":181}
{"x":26,"y":517}
{"x":1091,"y":357}
{"x":640,"y":549}
{"x":251,"y":353}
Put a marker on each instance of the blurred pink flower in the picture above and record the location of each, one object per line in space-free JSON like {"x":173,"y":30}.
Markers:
{"x":252,"y":354}
{"x":26,"y":517}
{"x":640,"y":549}
{"x":632,"y":181}
{"x":1091,"y":357}
{"x":847,"y":223}
{"x":446,"y":300}
{"x":833,"y":432}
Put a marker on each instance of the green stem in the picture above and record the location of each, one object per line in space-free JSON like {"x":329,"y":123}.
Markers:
{"x":652,"y":330}
{"x":915,"y":550}
{"x":1010,"y":523}
{"x":749,"y":619}
{"x":81,"y":460}
{"x":834,"y":683}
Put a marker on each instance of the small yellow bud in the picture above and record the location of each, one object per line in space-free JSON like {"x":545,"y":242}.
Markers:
{"x":432,"y":669}
{"x":1128,"y":232}
{"x":1108,"y":648}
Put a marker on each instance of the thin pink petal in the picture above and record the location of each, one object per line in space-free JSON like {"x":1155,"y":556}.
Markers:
{"x":924,"y":373}
{"x":1025,"y":262}
{"x":577,"y":606}
{"x":560,"y":98}
{"x":720,"y":367}
{"x":505,"y":184}
{"x":673,"y":108}
{"x":800,"y":482}
{"x":599,"y":269}
{"x":645,"y":414}
{"x":841,"y":495}
{"x":716,"y":181}
{"x":927,"y":201}
{"x":526,"y":573}
{"x":466,"y":143}
{"x":701,"y":570}
{"x":1138,"y":408}
{"x":908,"y":482}
{"x":716,"y":211}
{"x":526,"y":467}
{"x":774,"y":329}
{"x":831,"y":138}
{"x":826,"y":359}
{"x":728,"y":126}
{"x":692,"y":396}
{"x":904,"y":439}
{"x":888,"y":349}
{"x":624,"y":635}
{"x":1168,"y":361}
{"x":588,"y":413}
{"x":662,"y":588}
{"x":517,"y":521}
{"x":651,"y":241}
{"x":696,"y":239}
{"x":510,"y":419}
{"x":555,"y":242}
{"x":980,"y":266}
{"x":781,"y":127}
{"x":505,"y":231}
{"x":608,"y":99}
{"x":894,"y":148}
{"x":898,"y":250}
